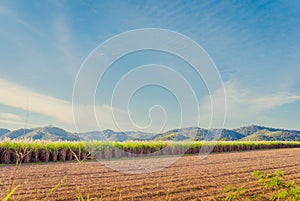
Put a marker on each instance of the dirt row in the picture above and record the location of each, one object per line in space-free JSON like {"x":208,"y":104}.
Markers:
{"x":189,"y":178}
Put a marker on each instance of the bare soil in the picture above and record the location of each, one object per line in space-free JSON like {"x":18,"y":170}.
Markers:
{"x":188,"y":179}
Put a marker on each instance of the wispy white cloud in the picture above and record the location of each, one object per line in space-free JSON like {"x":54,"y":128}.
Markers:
{"x":14,"y":95}
{"x":63,"y":39}
{"x":58,"y":34}
{"x":15,"y":121}
{"x":255,"y":100}
{"x":245,"y":106}
{"x":12,"y":15}
{"x":18,"y":124}
{"x":20,"y":97}
{"x":10,"y":116}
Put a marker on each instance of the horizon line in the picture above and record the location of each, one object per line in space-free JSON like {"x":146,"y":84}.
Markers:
{"x":50,"y":125}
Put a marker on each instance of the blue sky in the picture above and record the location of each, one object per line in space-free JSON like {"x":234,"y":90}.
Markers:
{"x":254,"y":44}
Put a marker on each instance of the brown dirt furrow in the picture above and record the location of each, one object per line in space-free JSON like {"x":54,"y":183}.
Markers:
{"x":189,"y":178}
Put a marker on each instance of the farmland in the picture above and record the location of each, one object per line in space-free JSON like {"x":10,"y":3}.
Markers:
{"x":46,"y":151}
{"x":188,"y":179}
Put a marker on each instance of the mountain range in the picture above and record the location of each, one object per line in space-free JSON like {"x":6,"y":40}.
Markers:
{"x":247,"y":133}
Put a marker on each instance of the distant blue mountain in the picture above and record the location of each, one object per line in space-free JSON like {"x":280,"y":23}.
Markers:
{"x":42,"y":133}
{"x":110,"y":135}
{"x":3,"y":131}
{"x":247,"y":133}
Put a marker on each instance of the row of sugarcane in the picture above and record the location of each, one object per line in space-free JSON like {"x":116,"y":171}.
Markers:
{"x":17,"y":151}
{"x":46,"y":151}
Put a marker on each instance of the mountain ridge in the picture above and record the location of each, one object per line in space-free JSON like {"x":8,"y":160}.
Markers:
{"x":245,"y":133}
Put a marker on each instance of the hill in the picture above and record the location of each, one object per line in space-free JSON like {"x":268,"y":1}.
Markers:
{"x":17,"y":134}
{"x":110,"y":135}
{"x":3,"y":131}
{"x":273,"y":136}
{"x":247,"y":133}
{"x":199,"y":134}
{"x":249,"y":130}
{"x":42,"y":133}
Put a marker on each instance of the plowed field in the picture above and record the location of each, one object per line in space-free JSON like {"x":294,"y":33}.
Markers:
{"x":188,"y":179}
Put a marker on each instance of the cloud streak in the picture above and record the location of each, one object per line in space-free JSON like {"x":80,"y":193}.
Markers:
{"x":63,"y":39}
{"x":18,"y":123}
{"x":17,"y":96}
{"x":255,"y":100}
{"x":10,"y":116}
{"x":20,"y":97}
{"x":245,"y":106}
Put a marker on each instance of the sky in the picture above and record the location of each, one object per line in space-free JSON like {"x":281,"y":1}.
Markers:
{"x":254,"y":45}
